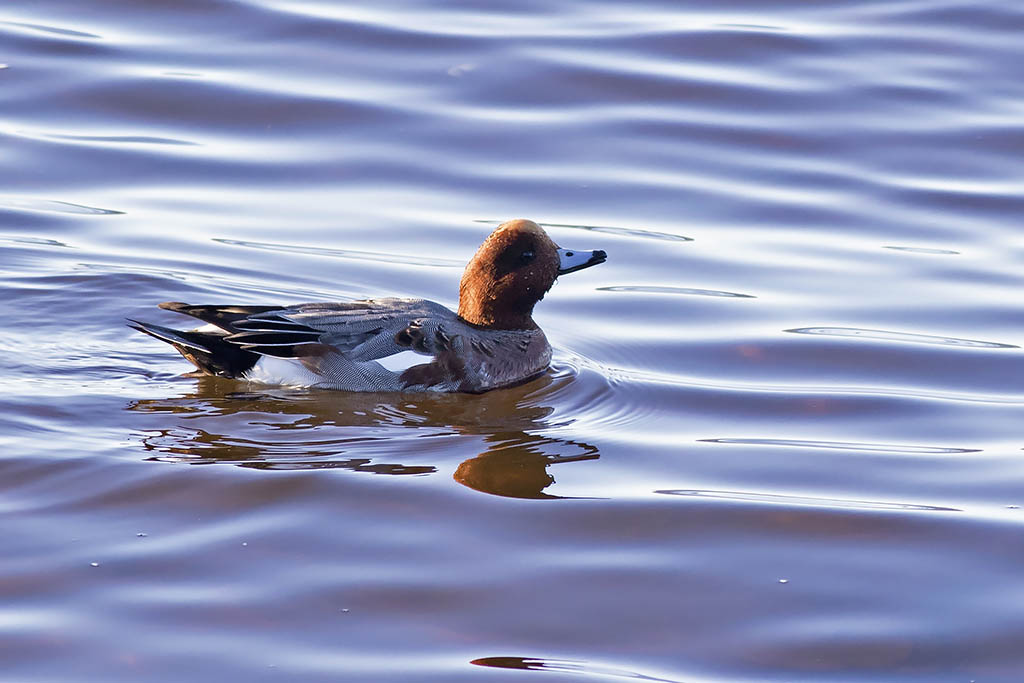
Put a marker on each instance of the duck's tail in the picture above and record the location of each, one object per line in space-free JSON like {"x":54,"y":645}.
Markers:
{"x":207,"y":350}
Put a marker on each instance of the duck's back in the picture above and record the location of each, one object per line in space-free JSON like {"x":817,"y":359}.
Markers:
{"x":414,"y":344}
{"x":370,"y":345}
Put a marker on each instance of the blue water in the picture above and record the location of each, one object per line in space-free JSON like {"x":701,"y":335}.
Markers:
{"x":781,"y":437}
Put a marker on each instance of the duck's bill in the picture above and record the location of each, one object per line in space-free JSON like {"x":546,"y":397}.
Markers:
{"x":570,"y":260}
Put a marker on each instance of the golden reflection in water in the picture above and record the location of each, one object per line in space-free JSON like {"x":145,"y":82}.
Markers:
{"x":515,"y":466}
{"x":280,"y":429}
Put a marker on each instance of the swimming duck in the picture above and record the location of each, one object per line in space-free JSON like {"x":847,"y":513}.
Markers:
{"x":491,"y":342}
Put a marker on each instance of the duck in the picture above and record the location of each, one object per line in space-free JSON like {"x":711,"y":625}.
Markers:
{"x":393,"y":344}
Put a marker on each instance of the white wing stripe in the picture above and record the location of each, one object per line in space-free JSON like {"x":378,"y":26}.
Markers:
{"x":403,"y":360}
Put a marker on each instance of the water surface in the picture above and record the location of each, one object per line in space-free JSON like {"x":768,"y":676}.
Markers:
{"x":781,"y":436}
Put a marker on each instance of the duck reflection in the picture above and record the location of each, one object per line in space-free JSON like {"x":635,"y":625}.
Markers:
{"x":516,"y":465}
{"x":279,"y":429}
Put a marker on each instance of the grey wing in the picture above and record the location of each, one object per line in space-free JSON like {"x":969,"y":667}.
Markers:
{"x":455,"y":356}
{"x":342,"y":342}
{"x":360,"y":330}
{"x":374,"y":328}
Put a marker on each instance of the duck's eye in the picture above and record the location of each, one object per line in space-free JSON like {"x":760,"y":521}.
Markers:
{"x":526,"y":256}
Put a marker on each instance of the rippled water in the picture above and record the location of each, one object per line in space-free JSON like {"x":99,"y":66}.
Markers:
{"x":781,"y":438}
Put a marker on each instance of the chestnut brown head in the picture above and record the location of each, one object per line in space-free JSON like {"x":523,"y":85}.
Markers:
{"x":511,"y":271}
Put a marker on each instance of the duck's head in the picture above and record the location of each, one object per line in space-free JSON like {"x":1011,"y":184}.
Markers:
{"x":511,"y":272}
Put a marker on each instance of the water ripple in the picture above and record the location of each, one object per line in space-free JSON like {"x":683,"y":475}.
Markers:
{"x":924,"y":250}
{"x":848,"y":446}
{"x":886,"y":335}
{"x":54,"y":206}
{"x":665,"y":377}
{"x":778,"y":499}
{"x":566,"y":666}
{"x":624,"y":232}
{"x":35,"y":241}
{"x":650,"y":289}
{"x":345,"y":253}
{"x":52,"y":29}
{"x":125,"y":139}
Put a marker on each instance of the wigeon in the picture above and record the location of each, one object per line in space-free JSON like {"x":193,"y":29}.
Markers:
{"x":366,"y":345}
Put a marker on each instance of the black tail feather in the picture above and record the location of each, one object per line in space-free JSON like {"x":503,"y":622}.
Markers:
{"x":272,"y":335}
{"x":208,"y":351}
{"x":274,"y":338}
